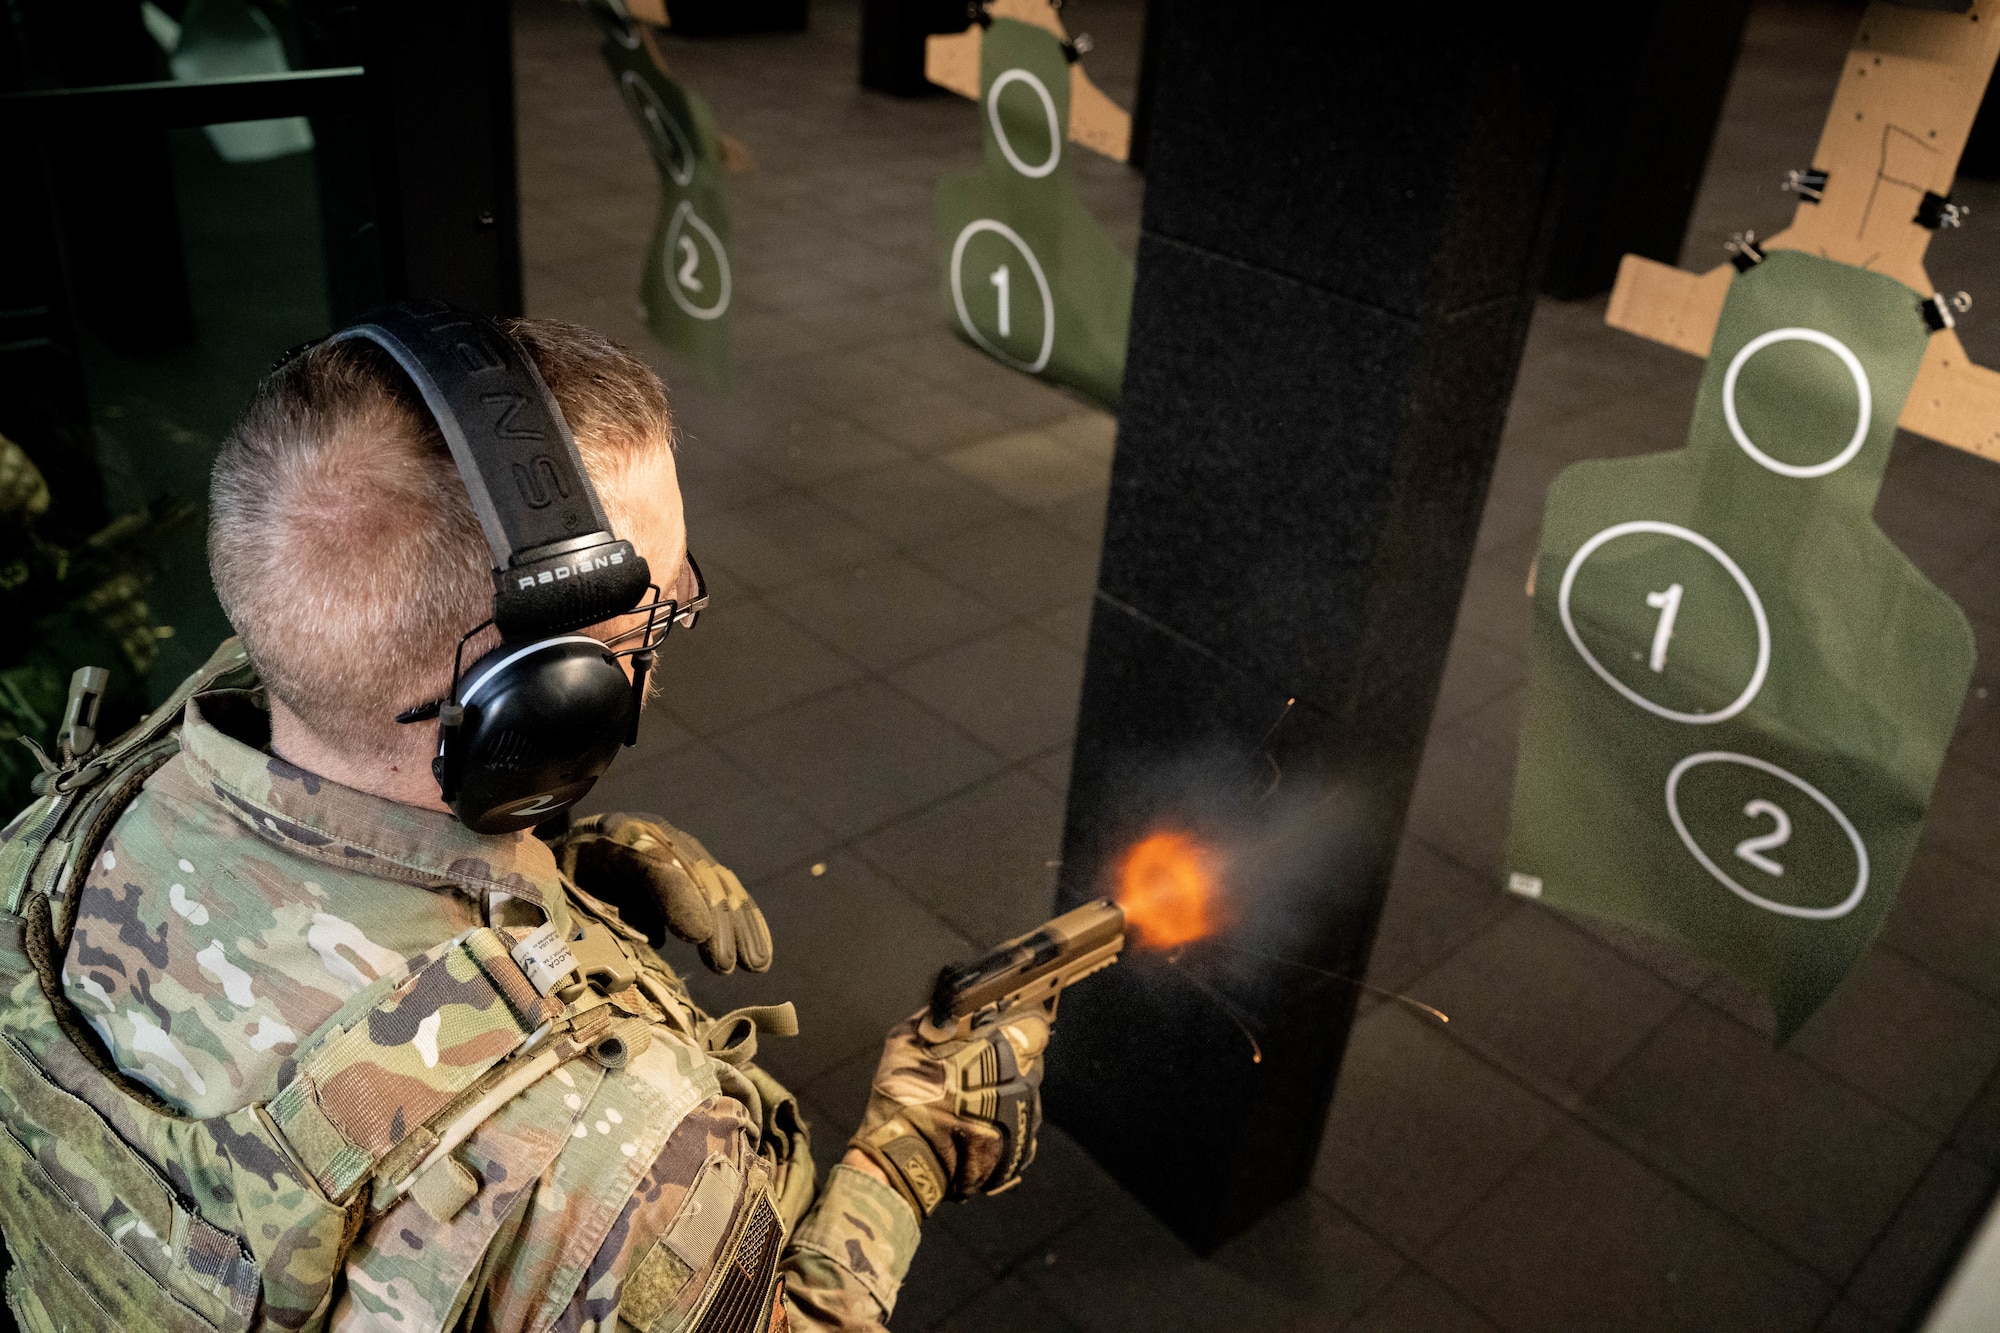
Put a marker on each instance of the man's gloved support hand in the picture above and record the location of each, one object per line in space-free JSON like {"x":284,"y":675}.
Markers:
{"x":952,"y":1119}
{"x":661,"y":879}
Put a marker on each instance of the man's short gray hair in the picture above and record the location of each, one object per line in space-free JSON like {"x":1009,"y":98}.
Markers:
{"x":341,"y":540}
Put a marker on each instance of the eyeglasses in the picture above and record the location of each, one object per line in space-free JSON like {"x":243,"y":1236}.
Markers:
{"x":640,"y":643}
{"x":688,"y":600}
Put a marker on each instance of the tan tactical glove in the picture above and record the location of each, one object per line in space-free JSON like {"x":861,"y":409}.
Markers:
{"x":948,"y":1120}
{"x":661,"y":879}
{"x":22,"y":490}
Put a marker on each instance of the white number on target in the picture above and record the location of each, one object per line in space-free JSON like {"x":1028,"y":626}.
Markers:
{"x":690,"y":258}
{"x":1753,"y":849}
{"x":1668,"y":604}
{"x":1000,"y":281}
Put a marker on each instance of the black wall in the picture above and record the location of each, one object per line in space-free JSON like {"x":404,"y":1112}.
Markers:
{"x":441,"y":115}
{"x":1649,"y":96}
{"x":893,"y":33}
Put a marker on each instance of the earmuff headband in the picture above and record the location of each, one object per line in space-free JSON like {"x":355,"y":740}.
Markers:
{"x":556,"y":564}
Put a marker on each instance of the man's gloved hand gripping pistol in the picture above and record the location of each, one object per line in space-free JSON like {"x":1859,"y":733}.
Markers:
{"x":957,"y":1101}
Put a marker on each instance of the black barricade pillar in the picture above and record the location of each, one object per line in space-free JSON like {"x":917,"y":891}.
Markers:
{"x":441,"y":88}
{"x":1653,"y":77}
{"x":1342,"y":235}
{"x":893,"y":37}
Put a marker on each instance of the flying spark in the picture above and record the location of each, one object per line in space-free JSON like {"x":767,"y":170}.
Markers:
{"x":1439,"y":1014}
{"x":1236,"y":1016}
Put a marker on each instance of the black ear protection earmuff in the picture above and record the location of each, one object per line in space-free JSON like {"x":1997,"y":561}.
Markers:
{"x":530,"y":726}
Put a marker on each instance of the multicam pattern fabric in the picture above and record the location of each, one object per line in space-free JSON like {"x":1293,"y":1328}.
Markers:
{"x":205,"y":952}
{"x":245,"y":914}
{"x":364,"y":1091}
{"x":870,"y":1236}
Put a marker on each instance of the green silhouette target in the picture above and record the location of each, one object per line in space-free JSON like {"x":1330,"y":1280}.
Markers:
{"x":687,"y":288}
{"x":1030,"y":278}
{"x":1740,"y":691}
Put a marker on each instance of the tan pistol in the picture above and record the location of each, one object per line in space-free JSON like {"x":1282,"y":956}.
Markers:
{"x":1033,"y":969}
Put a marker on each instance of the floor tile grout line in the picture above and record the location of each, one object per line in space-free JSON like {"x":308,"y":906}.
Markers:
{"x":899,"y":547}
{"x":1889,"y":1225}
{"x":851,"y":844}
{"x":1698,"y":996}
{"x":1622,"y":1137}
{"x":1027,"y":620}
{"x":1368,"y":1306}
{"x":1867,"y":1095}
{"x":1576,"y":1106}
{"x":875,"y":677}
{"x":1020,"y":1267}
{"x":713,"y":737}
{"x":1902,"y":1117}
{"x":1605,"y":1129}
{"x":761,"y":595}
{"x":1414,"y":1256}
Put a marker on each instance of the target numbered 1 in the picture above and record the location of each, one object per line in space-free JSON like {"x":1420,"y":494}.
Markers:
{"x":993,"y":272}
{"x":1634,"y":607}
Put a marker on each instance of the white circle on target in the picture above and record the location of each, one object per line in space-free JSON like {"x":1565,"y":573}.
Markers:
{"x":1721,"y":557}
{"x":1041,"y":90}
{"x":685,"y":216}
{"x":1854,"y":368}
{"x":667,"y":131}
{"x":1013,"y":238}
{"x":1839,"y":909}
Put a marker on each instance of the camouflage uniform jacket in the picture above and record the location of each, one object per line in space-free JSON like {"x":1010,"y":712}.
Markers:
{"x":240,"y":901}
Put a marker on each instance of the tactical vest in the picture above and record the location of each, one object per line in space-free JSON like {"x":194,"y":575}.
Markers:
{"x":122,"y":1213}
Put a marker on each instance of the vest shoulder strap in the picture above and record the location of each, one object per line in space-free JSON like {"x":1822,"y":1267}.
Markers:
{"x":48,"y":841}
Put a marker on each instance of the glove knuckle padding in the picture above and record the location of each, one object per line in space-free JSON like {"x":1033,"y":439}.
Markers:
{"x":956,"y":1118}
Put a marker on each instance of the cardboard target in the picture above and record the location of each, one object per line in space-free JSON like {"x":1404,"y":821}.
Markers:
{"x":1740,"y":692}
{"x":1030,"y":278}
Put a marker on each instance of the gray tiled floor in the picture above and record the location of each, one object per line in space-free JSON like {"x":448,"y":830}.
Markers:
{"x":873,"y":726}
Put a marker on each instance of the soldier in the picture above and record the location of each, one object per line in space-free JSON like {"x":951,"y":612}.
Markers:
{"x":286,"y":938}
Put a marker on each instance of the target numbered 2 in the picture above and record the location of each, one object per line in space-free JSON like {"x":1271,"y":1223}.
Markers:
{"x":1666,"y":618}
{"x":1002,"y":295}
{"x":1767,"y":835}
{"x":697,"y":265}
